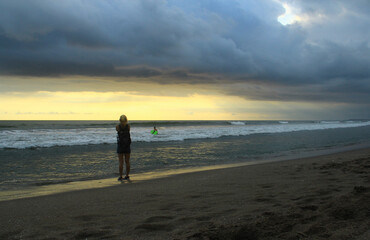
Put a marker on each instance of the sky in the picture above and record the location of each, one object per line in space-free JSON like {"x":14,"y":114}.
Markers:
{"x":184,"y":59}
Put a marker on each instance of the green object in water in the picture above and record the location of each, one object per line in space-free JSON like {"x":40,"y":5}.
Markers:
{"x":154,"y":132}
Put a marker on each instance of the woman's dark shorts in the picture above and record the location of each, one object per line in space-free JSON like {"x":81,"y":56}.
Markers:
{"x":123,"y":149}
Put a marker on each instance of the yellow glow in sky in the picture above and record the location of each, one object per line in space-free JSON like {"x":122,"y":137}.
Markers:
{"x":68,"y":99}
{"x":44,"y":105}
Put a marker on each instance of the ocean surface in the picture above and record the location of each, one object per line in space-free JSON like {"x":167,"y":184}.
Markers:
{"x":39,"y":153}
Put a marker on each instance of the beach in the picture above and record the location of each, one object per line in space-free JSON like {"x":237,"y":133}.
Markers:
{"x":322,"y":197}
{"x":184,"y":120}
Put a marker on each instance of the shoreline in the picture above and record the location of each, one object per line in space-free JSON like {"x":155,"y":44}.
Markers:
{"x":322,"y":197}
{"x":57,"y":188}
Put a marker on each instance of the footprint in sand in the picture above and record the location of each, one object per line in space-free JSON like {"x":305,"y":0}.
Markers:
{"x":87,"y":233}
{"x":154,"y":227}
{"x":156,"y":223}
{"x":158,"y":219}
{"x":88,"y":218}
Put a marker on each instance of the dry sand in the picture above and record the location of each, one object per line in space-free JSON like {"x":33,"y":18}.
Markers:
{"x":324,"y":197}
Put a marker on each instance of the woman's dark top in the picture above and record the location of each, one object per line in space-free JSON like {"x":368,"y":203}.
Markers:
{"x":123,"y":139}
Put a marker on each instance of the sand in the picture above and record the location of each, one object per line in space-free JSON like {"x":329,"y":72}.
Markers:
{"x":324,"y":197}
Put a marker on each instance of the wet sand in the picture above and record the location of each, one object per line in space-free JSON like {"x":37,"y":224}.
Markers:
{"x":325,"y":197}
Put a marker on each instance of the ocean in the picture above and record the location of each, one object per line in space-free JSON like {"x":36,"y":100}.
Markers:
{"x":46,"y":153}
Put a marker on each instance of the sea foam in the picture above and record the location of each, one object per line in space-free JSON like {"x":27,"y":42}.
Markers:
{"x":39,"y":137}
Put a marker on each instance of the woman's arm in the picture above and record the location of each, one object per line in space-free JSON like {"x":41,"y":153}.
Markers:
{"x":117,"y":128}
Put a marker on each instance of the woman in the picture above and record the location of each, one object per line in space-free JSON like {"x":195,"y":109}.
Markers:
{"x":123,"y":146}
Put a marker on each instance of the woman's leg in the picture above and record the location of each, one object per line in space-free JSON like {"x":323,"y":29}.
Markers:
{"x":127,"y":161}
{"x":120,"y":159}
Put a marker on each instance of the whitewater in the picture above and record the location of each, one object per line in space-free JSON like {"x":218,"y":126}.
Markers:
{"x":43,"y":134}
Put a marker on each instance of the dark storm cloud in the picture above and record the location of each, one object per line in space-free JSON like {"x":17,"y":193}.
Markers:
{"x":325,"y":57}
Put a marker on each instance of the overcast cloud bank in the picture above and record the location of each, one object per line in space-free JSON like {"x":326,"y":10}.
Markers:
{"x":238,"y":44}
